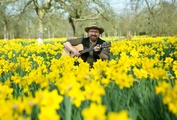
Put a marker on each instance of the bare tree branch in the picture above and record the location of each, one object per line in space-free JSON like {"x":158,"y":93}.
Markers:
{"x":29,"y":2}
{"x":88,"y":17}
{"x":36,"y":3}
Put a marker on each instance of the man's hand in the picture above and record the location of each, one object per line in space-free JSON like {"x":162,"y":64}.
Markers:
{"x":76,"y":53}
{"x":97,"y":49}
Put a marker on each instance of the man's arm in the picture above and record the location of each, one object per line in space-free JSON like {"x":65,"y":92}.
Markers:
{"x":69,"y":46}
{"x":102,"y":53}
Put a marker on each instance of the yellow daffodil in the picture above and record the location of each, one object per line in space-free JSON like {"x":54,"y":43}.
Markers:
{"x":122,"y":115}
{"x":94,"y":112}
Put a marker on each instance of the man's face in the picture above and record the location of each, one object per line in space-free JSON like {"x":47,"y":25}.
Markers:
{"x":93,"y":34}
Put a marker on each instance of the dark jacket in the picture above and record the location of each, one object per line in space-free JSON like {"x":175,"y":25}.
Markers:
{"x":85,"y":43}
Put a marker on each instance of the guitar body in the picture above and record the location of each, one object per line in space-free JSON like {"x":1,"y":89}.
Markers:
{"x":83,"y":50}
{"x":77,"y":47}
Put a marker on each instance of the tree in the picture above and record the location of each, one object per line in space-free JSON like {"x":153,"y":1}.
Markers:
{"x":5,"y":17}
{"x":41,"y":8}
{"x":79,"y":11}
{"x":5,"y":14}
{"x":166,"y":18}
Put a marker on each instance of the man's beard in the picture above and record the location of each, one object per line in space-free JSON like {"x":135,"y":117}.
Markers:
{"x":93,"y":38}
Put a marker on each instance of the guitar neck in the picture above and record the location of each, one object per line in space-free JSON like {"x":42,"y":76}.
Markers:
{"x":106,"y":45}
{"x":86,"y":50}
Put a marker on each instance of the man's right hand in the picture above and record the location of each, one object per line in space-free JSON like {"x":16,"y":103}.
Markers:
{"x":76,"y":53}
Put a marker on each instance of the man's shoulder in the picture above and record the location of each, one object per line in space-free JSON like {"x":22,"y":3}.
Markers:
{"x":101,"y":40}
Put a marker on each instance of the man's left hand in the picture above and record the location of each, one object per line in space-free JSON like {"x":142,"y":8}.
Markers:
{"x":97,"y":49}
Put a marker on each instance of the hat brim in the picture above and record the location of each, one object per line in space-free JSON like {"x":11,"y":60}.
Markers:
{"x":101,"y":30}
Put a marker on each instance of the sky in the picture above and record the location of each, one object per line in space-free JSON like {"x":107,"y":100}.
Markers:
{"x":118,"y":5}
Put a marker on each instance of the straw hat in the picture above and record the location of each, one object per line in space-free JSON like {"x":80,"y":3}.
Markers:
{"x":94,"y":26}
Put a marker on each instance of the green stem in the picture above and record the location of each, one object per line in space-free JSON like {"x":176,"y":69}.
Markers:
{"x":68,"y":108}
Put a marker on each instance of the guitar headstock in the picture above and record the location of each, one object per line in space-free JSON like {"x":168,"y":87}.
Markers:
{"x":106,"y":45}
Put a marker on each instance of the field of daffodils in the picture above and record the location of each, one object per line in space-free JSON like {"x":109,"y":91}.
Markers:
{"x":139,"y":82}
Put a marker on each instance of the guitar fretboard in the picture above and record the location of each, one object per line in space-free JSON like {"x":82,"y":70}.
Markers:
{"x":104,"y":45}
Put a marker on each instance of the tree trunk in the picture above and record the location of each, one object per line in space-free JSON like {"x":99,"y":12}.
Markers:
{"x":41,"y":15}
{"x":71,"y":21}
{"x":5,"y":30}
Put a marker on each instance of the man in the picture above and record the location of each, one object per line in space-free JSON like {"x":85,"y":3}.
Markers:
{"x":95,"y":46}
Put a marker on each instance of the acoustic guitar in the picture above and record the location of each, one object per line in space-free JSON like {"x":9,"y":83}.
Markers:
{"x":80,"y":47}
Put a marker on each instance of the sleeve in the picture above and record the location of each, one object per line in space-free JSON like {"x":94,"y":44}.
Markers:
{"x":106,"y":50}
{"x":75,"y":42}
